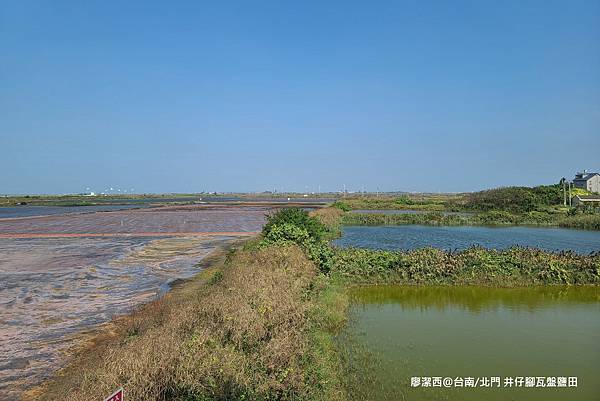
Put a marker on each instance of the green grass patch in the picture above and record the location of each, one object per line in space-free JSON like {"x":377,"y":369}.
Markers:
{"x":586,"y":221}
{"x":474,"y":266}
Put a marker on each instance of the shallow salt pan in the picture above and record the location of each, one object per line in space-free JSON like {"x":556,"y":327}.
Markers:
{"x":53,"y":289}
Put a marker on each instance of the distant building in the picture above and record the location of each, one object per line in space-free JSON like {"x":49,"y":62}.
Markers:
{"x":586,"y":200}
{"x":587,"y":181}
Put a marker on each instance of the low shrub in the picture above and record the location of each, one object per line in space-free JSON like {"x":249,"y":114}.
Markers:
{"x":404,"y":200}
{"x":341,"y":205}
{"x":296,"y":226}
{"x":298,"y":217}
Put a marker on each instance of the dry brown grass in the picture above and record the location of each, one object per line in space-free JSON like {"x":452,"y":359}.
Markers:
{"x":241,"y":336}
{"x":330,"y":216}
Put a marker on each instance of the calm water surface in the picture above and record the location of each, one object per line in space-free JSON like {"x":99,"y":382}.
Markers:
{"x":480,"y":332}
{"x":461,"y":237}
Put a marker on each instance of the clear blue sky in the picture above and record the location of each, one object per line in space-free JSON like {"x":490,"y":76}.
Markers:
{"x":177,"y":96}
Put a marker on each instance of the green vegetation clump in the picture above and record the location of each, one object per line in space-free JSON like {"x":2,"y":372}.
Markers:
{"x":297,"y":217}
{"x":474,"y":266}
{"x":404,"y":200}
{"x":516,"y":199}
{"x":296,"y":226}
{"x":343,"y":206}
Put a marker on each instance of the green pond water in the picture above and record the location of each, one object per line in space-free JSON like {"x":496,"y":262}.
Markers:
{"x":473,"y":332}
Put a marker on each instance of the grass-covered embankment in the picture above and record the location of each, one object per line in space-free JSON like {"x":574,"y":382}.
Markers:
{"x":492,"y":218}
{"x":513,"y":267}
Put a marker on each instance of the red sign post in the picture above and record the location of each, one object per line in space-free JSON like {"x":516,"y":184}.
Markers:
{"x":116,"y":396}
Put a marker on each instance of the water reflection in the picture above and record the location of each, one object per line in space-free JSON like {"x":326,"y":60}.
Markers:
{"x":478,"y":332}
{"x":475,"y":298}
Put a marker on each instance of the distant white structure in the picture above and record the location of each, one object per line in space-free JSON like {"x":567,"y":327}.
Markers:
{"x":588,"y":181}
{"x":586,"y":200}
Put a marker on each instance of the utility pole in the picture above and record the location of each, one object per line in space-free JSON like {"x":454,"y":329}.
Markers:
{"x":570,"y":201}
{"x":564,"y":182}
